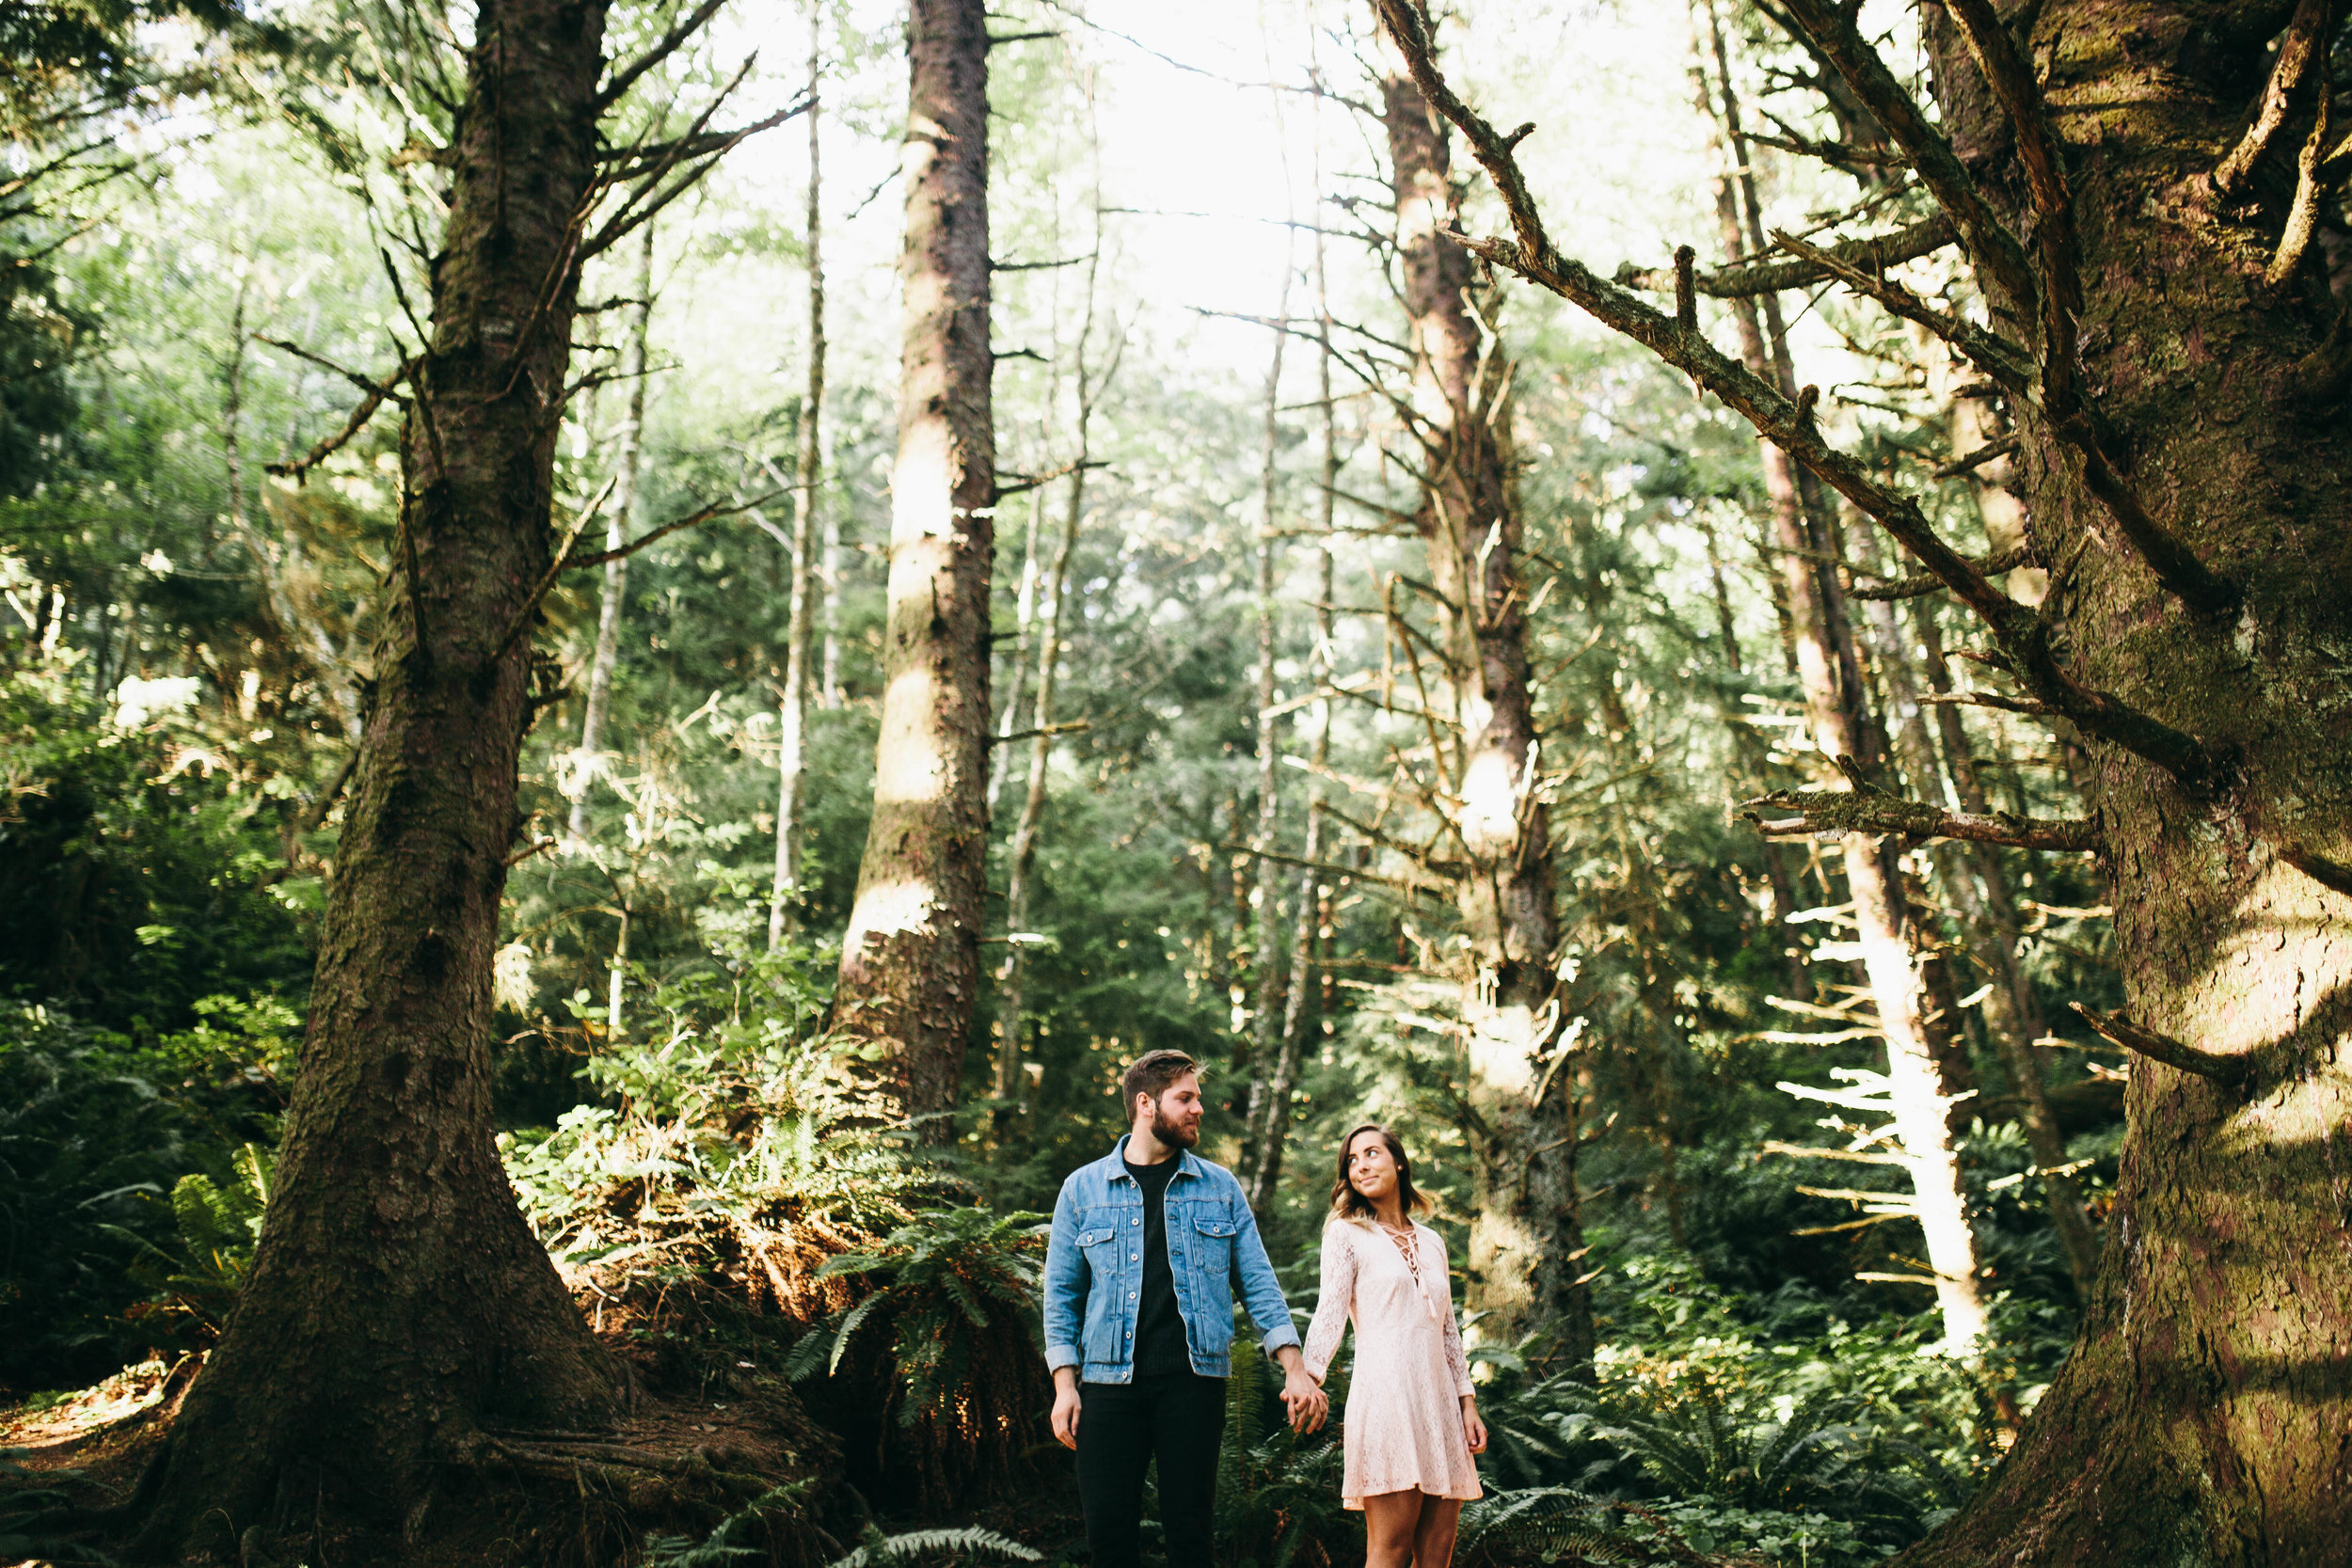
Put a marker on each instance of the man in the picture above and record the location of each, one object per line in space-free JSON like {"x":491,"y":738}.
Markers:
{"x":1139,"y":1318}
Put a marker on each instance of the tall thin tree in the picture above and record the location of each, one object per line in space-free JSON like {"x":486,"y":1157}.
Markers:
{"x":1912,"y":1097}
{"x":628,"y":444}
{"x":808,"y":492}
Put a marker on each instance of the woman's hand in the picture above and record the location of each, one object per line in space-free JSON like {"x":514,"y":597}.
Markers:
{"x":1474,"y":1429}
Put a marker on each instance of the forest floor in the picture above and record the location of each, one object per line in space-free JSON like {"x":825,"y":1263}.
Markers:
{"x":89,"y":1446}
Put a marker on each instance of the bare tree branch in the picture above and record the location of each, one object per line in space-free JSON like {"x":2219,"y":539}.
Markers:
{"x":1830,"y":27}
{"x":1822,"y":811}
{"x":1874,"y":254}
{"x":664,"y":47}
{"x":2301,"y":50}
{"x":1924,"y":582}
{"x":2164,"y":1048}
{"x":2022,"y":637}
{"x":2005,"y":362}
{"x":569,"y":562}
{"x":2327,"y":873}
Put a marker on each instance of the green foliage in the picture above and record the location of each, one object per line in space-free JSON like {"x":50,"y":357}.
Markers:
{"x":1277,"y":1491}
{"x":94,"y":1133}
{"x":725,"y":1124}
{"x":970,"y":1544}
{"x":949,"y":1283}
{"x":132,"y":859}
{"x":722,"y":1547}
{"x":217,"y":1225}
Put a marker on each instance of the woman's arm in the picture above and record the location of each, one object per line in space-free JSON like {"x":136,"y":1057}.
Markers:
{"x":1333,"y":1303}
{"x":1456,"y":1362}
{"x":1474,"y":1429}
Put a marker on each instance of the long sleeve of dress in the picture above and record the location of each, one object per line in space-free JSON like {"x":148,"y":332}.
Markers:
{"x":1456,"y":1363}
{"x":1332,"y":1303}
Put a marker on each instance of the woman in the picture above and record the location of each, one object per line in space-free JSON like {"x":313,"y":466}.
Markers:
{"x":1412,"y":1417}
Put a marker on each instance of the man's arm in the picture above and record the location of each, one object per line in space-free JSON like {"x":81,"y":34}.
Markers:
{"x":1065,"y":1287}
{"x":1262,"y":1293}
{"x":1065,"y":1315}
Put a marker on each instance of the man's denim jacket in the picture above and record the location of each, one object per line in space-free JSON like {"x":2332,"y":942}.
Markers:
{"x":1094,"y":1268}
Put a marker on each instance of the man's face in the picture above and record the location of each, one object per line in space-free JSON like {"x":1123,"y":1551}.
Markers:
{"x":1176,"y":1115}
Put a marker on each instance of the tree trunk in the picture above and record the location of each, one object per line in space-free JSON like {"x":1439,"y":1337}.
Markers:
{"x":1265,"y":1017}
{"x":1269,"y":1133}
{"x":910,"y":962}
{"x":398,"y":1304}
{"x":628,"y":454}
{"x":1830,"y":677}
{"x":2012,"y":1013}
{"x":2201,"y":1417}
{"x":1022,"y":855}
{"x":1526,"y":1238}
{"x":792,"y":711}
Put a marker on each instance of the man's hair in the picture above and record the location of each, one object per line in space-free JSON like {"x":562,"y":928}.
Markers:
{"x":1152,"y":1073}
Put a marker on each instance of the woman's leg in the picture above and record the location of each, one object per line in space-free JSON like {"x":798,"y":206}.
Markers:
{"x":1433,"y":1535}
{"x":1389,"y":1521}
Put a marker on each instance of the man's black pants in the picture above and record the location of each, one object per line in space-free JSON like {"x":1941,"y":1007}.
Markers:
{"x":1176,"y":1418}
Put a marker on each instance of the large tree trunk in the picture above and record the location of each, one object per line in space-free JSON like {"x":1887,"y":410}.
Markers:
{"x":399,"y":1304}
{"x":910,"y":962}
{"x":2202,"y":1417}
{"x":1526,"y":1238}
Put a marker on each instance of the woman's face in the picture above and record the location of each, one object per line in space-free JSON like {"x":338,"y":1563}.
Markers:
{"x":1370,"y":1168}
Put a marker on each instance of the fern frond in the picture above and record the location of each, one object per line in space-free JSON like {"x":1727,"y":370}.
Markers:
{"x":971,"y":1541}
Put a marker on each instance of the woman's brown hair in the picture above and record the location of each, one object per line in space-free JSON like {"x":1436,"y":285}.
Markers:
{"x":1349,"y":1204}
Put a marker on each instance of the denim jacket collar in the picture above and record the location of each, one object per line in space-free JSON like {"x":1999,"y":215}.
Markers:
{"x":1114,"y":1164}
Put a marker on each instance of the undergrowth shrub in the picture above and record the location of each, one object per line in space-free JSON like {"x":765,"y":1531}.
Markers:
{"x":728,"y":1161}
{"x":1277,"y":1491}
{"x":96,"y":1131}
{"x":723,"y":1143}
{"x":953,"y":1293}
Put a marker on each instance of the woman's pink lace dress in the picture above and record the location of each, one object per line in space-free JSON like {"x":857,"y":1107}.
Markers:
{"x":1403,"y":1420}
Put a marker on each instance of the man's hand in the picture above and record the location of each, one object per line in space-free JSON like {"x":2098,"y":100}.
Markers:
{"x":1066,"y":1407}
{"x":1302,"y":1397}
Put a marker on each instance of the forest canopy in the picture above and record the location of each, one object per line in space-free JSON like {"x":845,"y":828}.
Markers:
{"x":645,"y":643}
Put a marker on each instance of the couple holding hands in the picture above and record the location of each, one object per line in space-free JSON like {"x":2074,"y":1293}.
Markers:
{"x":1147,"y":1245}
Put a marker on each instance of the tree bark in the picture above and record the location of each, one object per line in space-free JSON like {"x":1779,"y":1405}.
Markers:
{"x":629,"y":444}
{"x":792,"y":710}
{"x":1526,"y":1234}
{"x":2201,"y":1417}
{"x":910,"y":962}
{"x":398,"y":1304}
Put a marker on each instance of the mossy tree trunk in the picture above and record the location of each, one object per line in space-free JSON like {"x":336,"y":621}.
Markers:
{"x":909,"y":963}
{"x":2202,"y":1417}
{"x":399,"y":1306}
{"x":1526,"y":1245}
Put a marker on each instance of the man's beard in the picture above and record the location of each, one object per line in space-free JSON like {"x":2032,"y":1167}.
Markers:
{"x":1173,"y":1135}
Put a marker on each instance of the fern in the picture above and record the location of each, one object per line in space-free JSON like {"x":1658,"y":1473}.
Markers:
{"x":970,"y":1541}
{"x":216,"y":1229}
{"x":718,"y":1548}
{"x":935,"y":1278}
